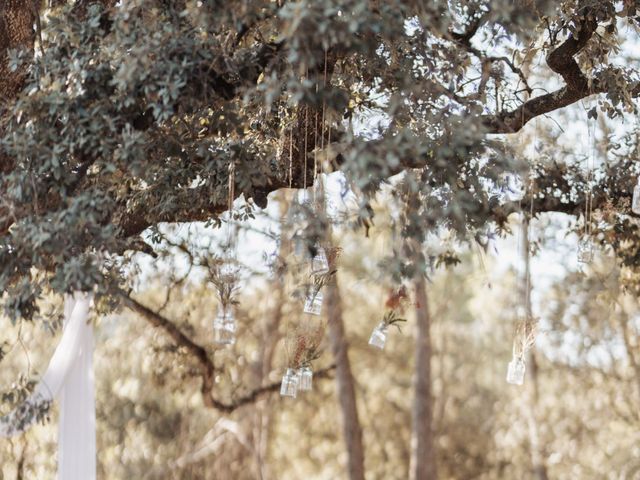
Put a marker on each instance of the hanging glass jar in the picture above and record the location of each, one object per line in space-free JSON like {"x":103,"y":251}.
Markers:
{"x":224,"y":326}
{"x":379,"y":336}
{"x":585,"y":251}
{"x":289,"y":385}
{"x":298,"y":243}
{"x":515,"y":371}
{"x":313,"y":303}
{"x":305,"y":378}
{"x":635,"y":202}
{"x":319,"y":262}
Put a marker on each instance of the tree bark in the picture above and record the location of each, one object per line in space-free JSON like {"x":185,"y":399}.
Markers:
{"x":423,"y":458}
{"x":345,"y":384}
{"x":536,"y":450}
{"x":262,"y":421}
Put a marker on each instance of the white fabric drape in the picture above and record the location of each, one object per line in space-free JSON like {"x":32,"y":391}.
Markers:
{"x":69,"y":377}
{"x":77,"y":425}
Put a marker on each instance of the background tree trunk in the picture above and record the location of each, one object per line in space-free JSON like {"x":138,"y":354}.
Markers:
{"x":262,"y":421}
{"x":345,"y":384}
{"x":423,"y":459}
{"x":537,"y":451}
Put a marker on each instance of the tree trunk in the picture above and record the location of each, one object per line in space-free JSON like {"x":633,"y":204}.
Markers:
{"x":423,"y":458}
{"x":537,"y":451}
{"x":345,"y":384}
{"x":262,"y":417}
{"x":262,"y":422}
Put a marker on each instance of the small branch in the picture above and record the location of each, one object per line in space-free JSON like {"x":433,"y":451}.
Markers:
{"x":561,"y":60}
{"x":207,"y":369}
{"x":257,"y":393}
{"x":464,"y":38}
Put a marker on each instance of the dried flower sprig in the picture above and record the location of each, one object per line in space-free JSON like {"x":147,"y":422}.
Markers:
{"x":525,"y":336}
{"x":391,"y":318}
{"x":397,"y":299}
{"x":224,"y":277}
{"x":307,"y":348}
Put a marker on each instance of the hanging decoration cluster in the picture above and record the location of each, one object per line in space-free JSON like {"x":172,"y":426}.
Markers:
{"x":526,"y":326}
{"x":394,"y":308}
{"x":304,"y":346}
{"x":225,"y":277}
{"x":525,"y":331}
{"x":299,"y":374}
{"x":586,"y":248}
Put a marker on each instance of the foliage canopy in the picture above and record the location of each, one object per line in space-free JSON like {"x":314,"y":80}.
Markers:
{"x":130,"y":114}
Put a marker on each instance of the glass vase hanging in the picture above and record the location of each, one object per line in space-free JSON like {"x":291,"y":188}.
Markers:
{"x":515,"y":371}
{"x":585,"y":251}
{"x":289,"y":385}
{"x":319,"y":262}
{"x":379,"y":336}
{"x":635,"y":202}
{"x":224,"y":326}
{"x":313,"y":303}
{"x":305,"y":378}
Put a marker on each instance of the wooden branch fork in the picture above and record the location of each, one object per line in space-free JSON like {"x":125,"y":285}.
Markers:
{"x":206,"y":366}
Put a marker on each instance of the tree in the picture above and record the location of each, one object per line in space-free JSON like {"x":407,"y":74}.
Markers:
{"x":119,"y":126}
{"x":120,"y":117}
{"x":345,"y":385}
{"x":423,"y":458}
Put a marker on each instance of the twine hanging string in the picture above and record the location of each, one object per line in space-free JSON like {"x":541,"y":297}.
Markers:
{"x":291,"y":157}
{"x":316,"y":166}
{"x":587,"y":227}
{"x":324,"y":101}
{"x":516,"y":347}
{"x":315,"y":155}
{"x":306,"y":134}
{"x":590,"y":167}
{"x":231,"y":188}
{"x":324,"y":113}
{"x":524,"y":336}
{"x":517,"y":350}
{"x":529,"y":323}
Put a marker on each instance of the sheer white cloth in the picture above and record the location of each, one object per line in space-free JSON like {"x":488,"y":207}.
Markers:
{"x":69,"y":378}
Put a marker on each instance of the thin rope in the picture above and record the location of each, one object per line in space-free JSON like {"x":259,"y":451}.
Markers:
{"x":324,"y":102}
{"x":586,"y":195}
{"x":232,"y":193}
{"x":591,"y":168}
{"x":306,"y":134}
{"x":291,"y":156}
{"x":315,"y":155}
{"x":306,"y":125}
{"x":588,"y":204}
{"x":531,"y":195}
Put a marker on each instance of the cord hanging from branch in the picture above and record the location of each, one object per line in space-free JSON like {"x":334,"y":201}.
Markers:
{"x":224,"y":275}
{"x":526,"y":325}
{"x":585,"y":246}
{"x":303,"y":343}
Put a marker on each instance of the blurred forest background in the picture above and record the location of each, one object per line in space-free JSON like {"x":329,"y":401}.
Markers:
{"x":576,"y":415}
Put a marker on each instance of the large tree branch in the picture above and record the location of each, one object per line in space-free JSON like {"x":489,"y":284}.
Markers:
{"x":256,"y":394}
{"x":198,"y":205}
{"x":464,"y":40}
{"x":561,"y":60}
{"x":207,"y":369}
{"x":554,"y":191}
